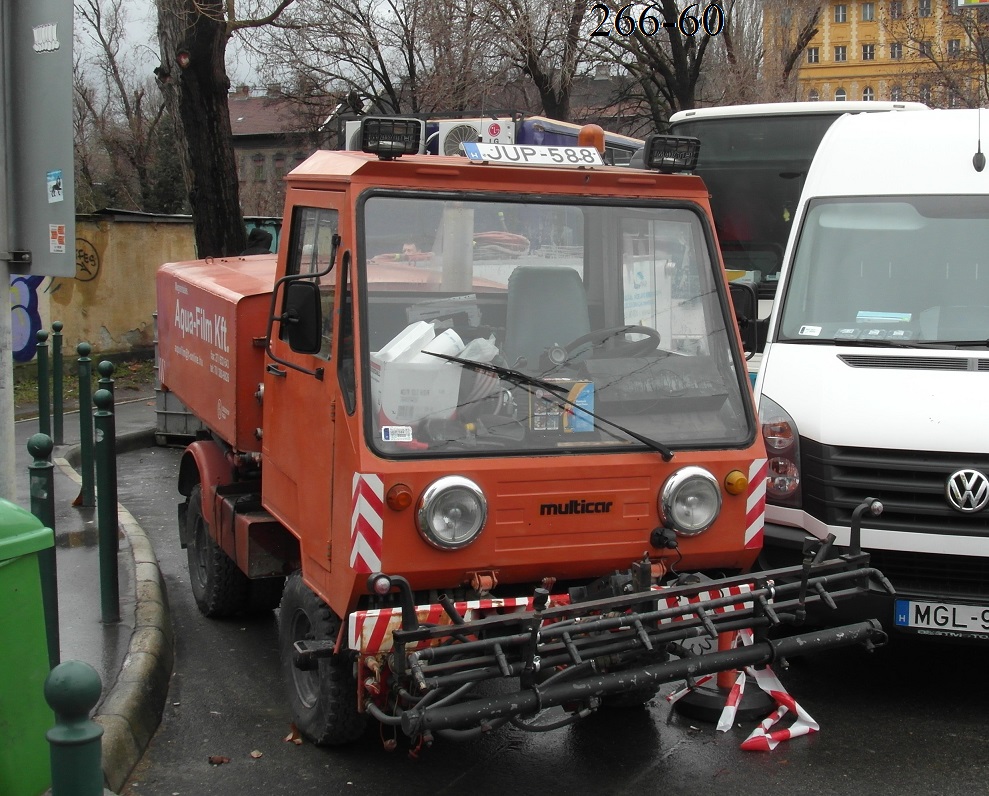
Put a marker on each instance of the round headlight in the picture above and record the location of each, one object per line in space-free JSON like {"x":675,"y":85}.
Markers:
{"x":451,"y":512}
{"x":690,"y":501}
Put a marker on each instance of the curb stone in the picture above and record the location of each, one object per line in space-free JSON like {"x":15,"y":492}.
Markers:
{"x":133,"y":705}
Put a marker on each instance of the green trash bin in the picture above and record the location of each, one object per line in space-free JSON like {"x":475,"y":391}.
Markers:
{"x":25,"y":767}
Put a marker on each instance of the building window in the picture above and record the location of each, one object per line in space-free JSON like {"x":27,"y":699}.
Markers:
{"x":925,"y":95}
{"x":279,"y":164}
{"x":813,"y":55}
{"x":896,"y":51}
{"x":868,"y":12}
{"x":896,"y":9}
{"x":954,"y":48}
{"x":868,"y":52}
{"x":841,"y":53}
{"x":814,"y":95}
{"x":840,"y":95}
{"x":896,"y":94}
{"x":868,"y":95}
{"x":841,"y":13}
{"x":924,"y":8}
{"x":924,"y":48}
{"x":258,"y":167}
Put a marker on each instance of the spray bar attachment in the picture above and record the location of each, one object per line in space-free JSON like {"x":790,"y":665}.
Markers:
{"x":565,"y":650}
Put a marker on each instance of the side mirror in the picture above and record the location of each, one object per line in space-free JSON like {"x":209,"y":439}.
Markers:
{"x":302,"y":317}
{"x":746,"y":303}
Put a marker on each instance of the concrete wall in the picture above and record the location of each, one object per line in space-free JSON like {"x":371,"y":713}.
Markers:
{"x":110,"y":302}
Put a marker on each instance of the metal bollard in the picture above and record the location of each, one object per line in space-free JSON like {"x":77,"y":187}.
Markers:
{"x":44,"y":388}
{"x":105,"y":369}
{"x":106,"y":505}
{"x":87,"y":496}
{"x":58,"y":409}
{"x":41,"y":478}
{"x":72,"y":690}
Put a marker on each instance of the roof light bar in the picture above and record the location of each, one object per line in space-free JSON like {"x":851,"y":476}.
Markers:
{"x":670,"y":153}
{"x":390,"y":138}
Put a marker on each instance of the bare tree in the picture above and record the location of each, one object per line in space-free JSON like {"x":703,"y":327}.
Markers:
{"x":193,"y":36}
{"x":663,"y":51}
{"x":119,"y":117}
{"x":546,"y":43}
{"x":387,"y":56}
{"x":946,"y":60}
{"x":793,"y":24}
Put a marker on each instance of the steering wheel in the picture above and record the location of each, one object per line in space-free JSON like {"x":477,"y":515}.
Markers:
{"x":622,"y":347}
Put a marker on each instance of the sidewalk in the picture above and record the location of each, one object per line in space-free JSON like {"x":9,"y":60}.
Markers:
{"x":132,"y":657}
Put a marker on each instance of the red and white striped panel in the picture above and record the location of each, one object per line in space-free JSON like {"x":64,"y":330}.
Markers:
{"x":370,"y":632}
{"x":366,"y":523}
{"x":713,"y":594}
{"x":755,"y":504}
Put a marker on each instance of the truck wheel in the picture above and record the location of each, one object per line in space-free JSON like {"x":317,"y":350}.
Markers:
{"x":219,"y":587}
{"x":323,"y":700}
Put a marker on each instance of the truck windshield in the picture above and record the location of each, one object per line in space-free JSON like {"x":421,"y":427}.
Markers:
{"x":891,"y":270}
{"x":615,"y":307}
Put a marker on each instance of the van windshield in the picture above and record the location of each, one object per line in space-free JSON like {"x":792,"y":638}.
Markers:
{"x":500,"y":326}
{"x":910,"y":270}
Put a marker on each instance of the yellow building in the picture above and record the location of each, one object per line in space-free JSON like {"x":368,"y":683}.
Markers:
{"x":919,"y":50}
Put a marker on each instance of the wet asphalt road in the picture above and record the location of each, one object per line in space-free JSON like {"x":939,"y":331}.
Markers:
{"x":908,"y":719}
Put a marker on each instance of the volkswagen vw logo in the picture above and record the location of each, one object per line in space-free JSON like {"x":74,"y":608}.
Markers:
{"x":967,"y":491}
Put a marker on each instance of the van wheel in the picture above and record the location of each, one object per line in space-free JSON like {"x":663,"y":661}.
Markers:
{"x":218,"y":586}
{"x":323,"y":700}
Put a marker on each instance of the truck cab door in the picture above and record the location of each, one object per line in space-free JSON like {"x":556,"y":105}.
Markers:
{"x":301,"y":392}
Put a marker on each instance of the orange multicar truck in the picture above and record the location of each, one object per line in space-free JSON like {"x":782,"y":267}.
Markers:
{"x":481,"y":418}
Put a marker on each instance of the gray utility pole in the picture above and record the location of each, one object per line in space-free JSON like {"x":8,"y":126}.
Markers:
{"x":37,"y":185}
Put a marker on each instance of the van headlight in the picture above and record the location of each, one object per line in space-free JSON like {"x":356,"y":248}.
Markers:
{"x":451,"y":512}
{"x":690,"y":501}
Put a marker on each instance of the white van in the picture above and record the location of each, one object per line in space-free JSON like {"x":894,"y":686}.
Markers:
{"x":875,"y":377}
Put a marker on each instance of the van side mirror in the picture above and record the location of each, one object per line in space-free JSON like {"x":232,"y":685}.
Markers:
{"x":746,"y":304}
{"x":302,"y":317}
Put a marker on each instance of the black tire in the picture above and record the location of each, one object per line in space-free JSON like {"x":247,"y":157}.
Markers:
{"x":218,"y":586}
{"x":324,"y":700}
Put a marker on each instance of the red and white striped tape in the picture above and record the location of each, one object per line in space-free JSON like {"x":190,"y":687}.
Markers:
{"x":366,"y":523}
{"x":763,"y":738}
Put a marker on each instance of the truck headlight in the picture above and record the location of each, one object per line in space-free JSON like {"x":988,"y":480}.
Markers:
{"x":451,"y":512}
{"x":690,"y":501}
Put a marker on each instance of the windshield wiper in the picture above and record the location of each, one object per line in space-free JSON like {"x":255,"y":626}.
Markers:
{"x":520,"y":379}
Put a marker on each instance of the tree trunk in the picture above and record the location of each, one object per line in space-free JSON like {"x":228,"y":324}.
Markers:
{"x":197,"y":96}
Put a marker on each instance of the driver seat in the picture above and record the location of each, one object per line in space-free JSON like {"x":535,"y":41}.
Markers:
{"x":546,"y":306}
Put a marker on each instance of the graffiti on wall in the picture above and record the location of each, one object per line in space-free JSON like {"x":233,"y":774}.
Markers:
{"x":25,"y":321}
{"x":25,"y":315}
